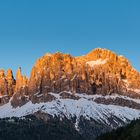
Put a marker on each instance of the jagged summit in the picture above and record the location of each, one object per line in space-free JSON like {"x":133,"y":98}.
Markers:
{"x":101,"y":71}
{"x":99,"y":53}
{"x":21,"y":81}
{"x":78,"y":75}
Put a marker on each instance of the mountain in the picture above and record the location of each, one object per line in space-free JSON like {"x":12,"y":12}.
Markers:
{"x":97,"y":92}
{"x":130,"y":132}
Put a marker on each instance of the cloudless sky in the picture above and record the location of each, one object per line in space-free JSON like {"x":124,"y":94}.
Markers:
{"x":31,"y":28}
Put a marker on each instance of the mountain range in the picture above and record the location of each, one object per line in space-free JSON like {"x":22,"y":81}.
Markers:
{"x":93,"y":93}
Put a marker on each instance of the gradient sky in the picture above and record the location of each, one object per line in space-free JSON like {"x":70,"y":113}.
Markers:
{"x":31,"y":28}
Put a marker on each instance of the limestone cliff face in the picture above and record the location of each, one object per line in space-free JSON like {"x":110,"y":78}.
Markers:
{"x":10,"y":82}
{"x":21,"y":81}
{"x":3,"y":84}
{"x":7,"y":86}
{"x":7,"y":83}
{"x":51,"y":72}
{"x":99,"y":72}
{"x":10,"y":87}
{"x":21,"y":90}
{"x":117,"y":66}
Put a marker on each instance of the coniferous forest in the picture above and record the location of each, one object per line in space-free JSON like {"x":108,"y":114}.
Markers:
{"x":30,"y":128}
{"x":130,"y":132}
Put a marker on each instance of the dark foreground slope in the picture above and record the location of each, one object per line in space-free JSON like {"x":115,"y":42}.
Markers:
{"x":30,"y":128}
{"x":130,"y":132}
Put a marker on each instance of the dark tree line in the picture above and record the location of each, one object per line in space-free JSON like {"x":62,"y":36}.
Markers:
{"x":33,"y":129}
{"x":130,"y":132}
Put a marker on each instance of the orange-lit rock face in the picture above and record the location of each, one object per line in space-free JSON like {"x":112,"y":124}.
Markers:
{"x":99,"y":72}
{"x":7,"y":83}
{"x":21,"y":81}
{"x":21,"y":90}
{"x":50,"y":71}
{"x":10,"y":81}
{"x":3,"y":84}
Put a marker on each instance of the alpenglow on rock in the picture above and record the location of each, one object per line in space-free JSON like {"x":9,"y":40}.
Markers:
{"x":21,"y":81}
{"x":99,"y":72}
{"x":11,"y":82}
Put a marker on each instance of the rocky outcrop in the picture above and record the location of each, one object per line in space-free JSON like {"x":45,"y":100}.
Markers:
{"x":21,"y":81}
{"x":21,"y":90}
{"x":7,"y":86}
{"x":4,"y":99}
{"x":118,"y":101}
{"x":11,"y":82}
{"x":3,"y":84}
{"x":10,"y":87}
{"x":7,"y":83}
{"x":99,"y":72}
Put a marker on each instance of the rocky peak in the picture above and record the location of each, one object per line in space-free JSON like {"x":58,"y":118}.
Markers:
{"x":2,"y":74}
{"x":19,"y":73}
{"x":3,"y":84}
{"x":9,"y":76}
{"x":21,"y":90}
{"x":49,"y":69}
{"x":99,"y":72}
{"x":98,"y":54}
{"x":21,"y":81}
{"x":11,"y":82}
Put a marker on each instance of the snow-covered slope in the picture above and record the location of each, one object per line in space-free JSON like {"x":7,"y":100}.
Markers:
{"x":74,"y":108}
{"x":87,"y":117}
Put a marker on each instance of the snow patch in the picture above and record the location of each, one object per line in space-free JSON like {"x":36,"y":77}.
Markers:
{"x":97,"y":62}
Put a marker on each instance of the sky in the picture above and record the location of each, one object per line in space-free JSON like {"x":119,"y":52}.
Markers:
{"x":31,"y":28}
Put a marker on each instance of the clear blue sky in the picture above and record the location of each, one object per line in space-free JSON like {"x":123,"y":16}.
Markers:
{"x":30,"y":28}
